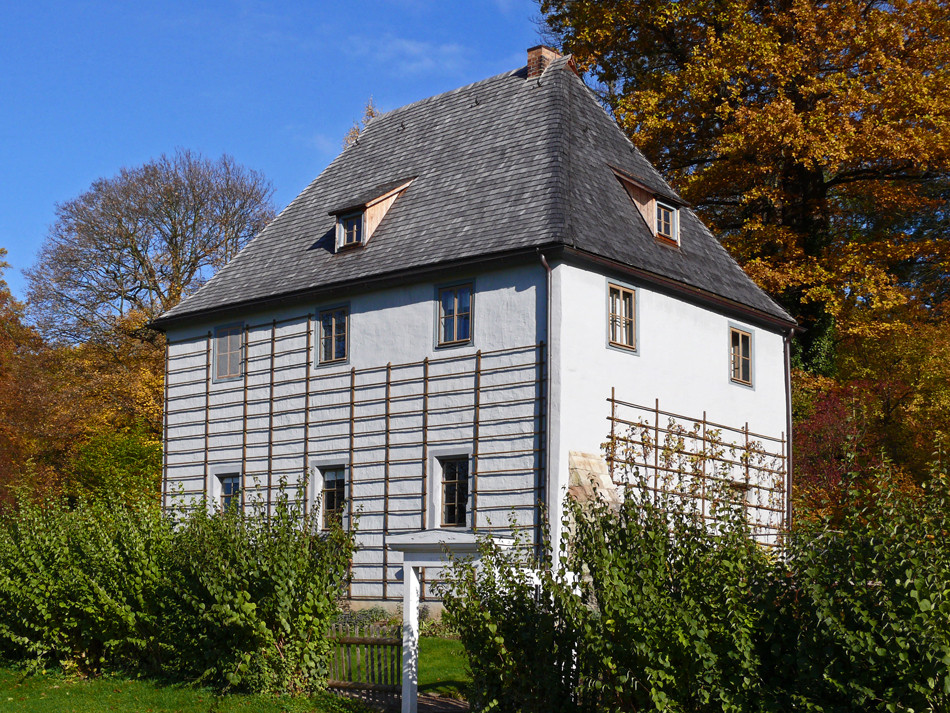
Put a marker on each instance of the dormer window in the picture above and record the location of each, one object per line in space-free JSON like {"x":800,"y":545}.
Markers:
{"x":659,"y":212}
{"x":349,"y":230}
{"x":666,"y":222}
{"x":358,"y":218}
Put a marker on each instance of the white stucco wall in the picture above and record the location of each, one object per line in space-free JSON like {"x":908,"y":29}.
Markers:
{"x":395,"y":326}
{"x":682,"y":359}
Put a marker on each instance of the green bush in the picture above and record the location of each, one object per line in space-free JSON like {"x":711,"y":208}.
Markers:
{"x":651,"y":609}
{"x":253,"y":597}
{"x":85,"y":584}
{"x":234,"y":600}
{"x":865,"y":603}
{"x":519,"y":645}
{"x":648,"y":611}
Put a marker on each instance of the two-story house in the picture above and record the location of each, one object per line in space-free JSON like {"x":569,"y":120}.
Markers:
{"x":432,"y":329}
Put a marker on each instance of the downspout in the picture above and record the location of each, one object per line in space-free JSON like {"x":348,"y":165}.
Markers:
{"x":543,"y":475}
{"x":788,"y":428}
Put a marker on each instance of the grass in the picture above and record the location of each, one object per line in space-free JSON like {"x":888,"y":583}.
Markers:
{"x":54,"y":693}
{"x":443,"y":668}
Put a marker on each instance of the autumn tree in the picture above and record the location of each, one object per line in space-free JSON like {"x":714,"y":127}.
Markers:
{"x":813,"y":136}
{"x":82,"y":403}
{"x":135,"y":244}
{"x":370,"y":112}
{"x":34,"y":422}
{"x":12,"y":336}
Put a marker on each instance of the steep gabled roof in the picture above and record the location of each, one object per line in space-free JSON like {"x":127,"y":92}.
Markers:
{"x":504,"y":164}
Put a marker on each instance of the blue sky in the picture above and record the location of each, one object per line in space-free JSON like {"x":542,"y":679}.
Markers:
{"x":89,"y":87}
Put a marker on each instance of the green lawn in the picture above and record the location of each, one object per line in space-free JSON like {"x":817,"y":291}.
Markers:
{"x":50,"y":693}
{"x":443,"y":668}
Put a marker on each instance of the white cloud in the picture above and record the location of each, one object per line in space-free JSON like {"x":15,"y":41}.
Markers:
{"x":325,"y":144}
{"x":403,"y":56}
{"x":506,"y":6}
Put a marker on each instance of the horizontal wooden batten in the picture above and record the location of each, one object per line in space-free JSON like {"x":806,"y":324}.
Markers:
{"x":386,"y":425}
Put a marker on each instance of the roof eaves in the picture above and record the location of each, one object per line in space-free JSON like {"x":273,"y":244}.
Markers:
{"x":681,"y":288}
{"x":362,"y":284}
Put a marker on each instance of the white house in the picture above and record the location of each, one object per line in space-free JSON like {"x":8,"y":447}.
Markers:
{"x":434,"y":327}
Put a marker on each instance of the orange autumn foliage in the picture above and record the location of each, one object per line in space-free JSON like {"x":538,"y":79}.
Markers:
{"x":786,"y":122}
{"x":814,"y":138}
{"x":53,"y":400}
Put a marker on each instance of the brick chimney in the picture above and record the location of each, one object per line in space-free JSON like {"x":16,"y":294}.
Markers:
{"x":539,"y":58}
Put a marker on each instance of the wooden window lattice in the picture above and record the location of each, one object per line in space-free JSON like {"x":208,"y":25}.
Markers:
{"x":230,"y":490}
{"x":455,"y":314}
{"x":622,"y":317}
{"x":333,"y":335}
{"x":228,"y":349}
{"x":454,"y":492}
{"x":741,"y":356}
{"x":334,"y":494}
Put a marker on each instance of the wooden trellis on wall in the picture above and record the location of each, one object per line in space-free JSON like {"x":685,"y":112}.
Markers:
{"x":701,"y":461}
{"x":387,"y":425}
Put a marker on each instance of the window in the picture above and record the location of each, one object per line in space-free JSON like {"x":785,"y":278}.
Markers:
{"x":334,"y":494}
{"x":454,"y":492}
{"x":741,"y":356}
{"x":666,"y":222}
{"x":455,"y":314}
{"x":228,"y":352}
{"x":230,"y":490}
{"x":350,"y":230}
{"x":621,"y":321}
{"x":333,"y":335}
{"x":663,"y":214}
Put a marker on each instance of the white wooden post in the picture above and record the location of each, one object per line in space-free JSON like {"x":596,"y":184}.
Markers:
{"x":425,"y":548}
{"x":410,"y":639}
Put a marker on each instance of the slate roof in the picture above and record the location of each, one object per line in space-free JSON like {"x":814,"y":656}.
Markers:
{"x":503,"y":164}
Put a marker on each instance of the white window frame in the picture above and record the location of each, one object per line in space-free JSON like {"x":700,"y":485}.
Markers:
{"x":674,"y":221}
{"x":434,"y":506}
{"x":341,"y":234}
{"x":215,"y":485}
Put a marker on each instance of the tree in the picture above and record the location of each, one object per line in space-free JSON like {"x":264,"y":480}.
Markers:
{"x":369,"y":113}
{"x":32,"y":418}
{"x":12,"y":332}
{"x":812,"y":135}
{"x":137,"y":243}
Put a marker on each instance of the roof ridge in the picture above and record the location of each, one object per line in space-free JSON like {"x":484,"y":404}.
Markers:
{"x":437,"y":97}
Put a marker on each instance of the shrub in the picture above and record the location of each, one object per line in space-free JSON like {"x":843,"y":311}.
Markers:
{"x":519,"y":645}
{"x":867,"y":597}
{"x":363,"y":617}
{"x":650,"y":608}
{"x":252,"y":597}
{"x":83,"y":584}
{"x":229,"y":599}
